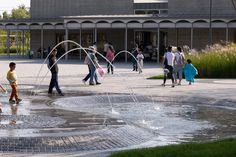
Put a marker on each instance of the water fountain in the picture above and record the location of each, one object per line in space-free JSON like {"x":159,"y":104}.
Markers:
{"x":85,"y":51}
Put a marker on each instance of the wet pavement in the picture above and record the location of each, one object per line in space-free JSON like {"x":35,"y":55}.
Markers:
{"x":126,"y":111}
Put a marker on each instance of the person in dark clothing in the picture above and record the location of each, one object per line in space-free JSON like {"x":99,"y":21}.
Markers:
{"x":134,"y":61}
{"x":54,"y":71}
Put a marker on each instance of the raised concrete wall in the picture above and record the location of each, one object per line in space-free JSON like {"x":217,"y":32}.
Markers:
{"x":57,"y":8}
{"x":201,"y":7}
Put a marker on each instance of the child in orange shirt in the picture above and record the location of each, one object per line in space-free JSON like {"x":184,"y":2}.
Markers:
{"x":12,"y":78}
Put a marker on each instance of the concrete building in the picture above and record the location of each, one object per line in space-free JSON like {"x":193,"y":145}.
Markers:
{"x":197,"y":23}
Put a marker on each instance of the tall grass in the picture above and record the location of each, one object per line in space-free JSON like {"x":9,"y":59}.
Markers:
{"x":215,"y":62}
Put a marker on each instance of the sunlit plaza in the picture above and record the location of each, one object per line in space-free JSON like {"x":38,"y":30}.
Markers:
{"x":124,"y":109}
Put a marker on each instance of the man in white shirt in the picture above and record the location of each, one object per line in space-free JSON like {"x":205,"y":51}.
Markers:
{"x":169,"y":59}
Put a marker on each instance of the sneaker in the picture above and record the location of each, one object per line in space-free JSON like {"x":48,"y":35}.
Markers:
{"x":12,"y":101}
{"x":18,"y":101}
{"x":98,"y":83}
{"x":84,"y":82}
{"x":173,"y":85}
{"x":91,"y":84}
{"x":61,"y":94}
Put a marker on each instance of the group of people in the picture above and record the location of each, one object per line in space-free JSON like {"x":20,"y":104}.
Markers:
{"x":173,"y":63}
{"x":174,"y":67}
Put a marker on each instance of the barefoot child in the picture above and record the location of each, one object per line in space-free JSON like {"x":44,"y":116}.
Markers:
{"x":190,"y":72}
{"x":12,"y":78}
{"x":140,"y":58}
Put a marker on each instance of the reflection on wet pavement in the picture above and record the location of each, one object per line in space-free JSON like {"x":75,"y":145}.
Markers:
{"x":88,"y":122}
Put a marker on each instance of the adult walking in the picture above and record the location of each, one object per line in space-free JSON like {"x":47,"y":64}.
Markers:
{"x":169,"y":58}
{"x":110,"y":56}
{"x":54,"y":71}
{"x":93,"y":65}
{"x":178,"y":65}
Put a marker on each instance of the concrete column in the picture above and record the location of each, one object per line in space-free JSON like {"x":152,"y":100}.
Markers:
{"x":158,"y":44}
{"x":80,"y":42}
{"x":42,"y":43}
{"x":210,"y":24}
{"x":8,"y":43}
{"x":227,"y":34}
{"x":177,"y":36}
{"x":95,"y":34}
{"x":23,"y":42}
{"x":191,"y":46}
{"x":66,"y":44}
{"x":126,"y":44}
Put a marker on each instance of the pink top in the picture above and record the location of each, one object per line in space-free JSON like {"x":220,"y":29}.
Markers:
{"x":110,"y":55}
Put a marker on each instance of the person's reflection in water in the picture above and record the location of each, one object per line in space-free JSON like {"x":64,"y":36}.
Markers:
{"x":14,"y":109}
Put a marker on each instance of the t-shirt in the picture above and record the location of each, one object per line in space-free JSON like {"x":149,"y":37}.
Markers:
{"x":179,"y":58}
{"x":140,"y":57}
{"x":170,"y":56}
{"x":11,"y":77}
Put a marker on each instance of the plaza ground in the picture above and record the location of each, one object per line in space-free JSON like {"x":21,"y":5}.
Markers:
{"x":126,"y":111}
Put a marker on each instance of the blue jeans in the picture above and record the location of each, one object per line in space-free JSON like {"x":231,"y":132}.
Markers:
{"x":93,"y":74}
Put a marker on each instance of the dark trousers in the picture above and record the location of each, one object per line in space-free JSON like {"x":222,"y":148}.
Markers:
{"x":54,"y":83}
{"x":109,"y":66}
{"x":88,"y":76}
{"x":135,"y":65}
{"x":170,"y":74}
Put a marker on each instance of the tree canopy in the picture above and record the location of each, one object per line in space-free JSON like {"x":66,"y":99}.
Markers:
{"x":5,"y":15}
{"x":18,"y":13}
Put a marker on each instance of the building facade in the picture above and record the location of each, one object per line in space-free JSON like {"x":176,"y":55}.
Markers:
{"x":197,"y":23}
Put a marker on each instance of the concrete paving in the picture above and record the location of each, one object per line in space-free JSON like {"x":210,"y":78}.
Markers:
{"x":126,"y":111}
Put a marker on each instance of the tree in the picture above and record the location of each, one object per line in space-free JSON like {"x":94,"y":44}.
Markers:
{"x":5,"y":15}
{"x":20,"y":13}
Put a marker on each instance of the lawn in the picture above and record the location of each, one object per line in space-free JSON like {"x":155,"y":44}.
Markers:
{"x":223,"y":148}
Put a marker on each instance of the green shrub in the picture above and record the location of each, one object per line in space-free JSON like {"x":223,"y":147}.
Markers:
{"x":13,"y":49}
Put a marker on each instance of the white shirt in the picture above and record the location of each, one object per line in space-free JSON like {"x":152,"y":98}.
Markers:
{"x":106,"y":47}
{"x":179,"y":58}
{"x":140,"y":56}
{"x":170,"y":56}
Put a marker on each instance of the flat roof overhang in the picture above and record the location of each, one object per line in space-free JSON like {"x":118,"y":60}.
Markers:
{"x":117,"y":21}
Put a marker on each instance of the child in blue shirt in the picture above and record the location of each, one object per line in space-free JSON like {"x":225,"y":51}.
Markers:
{"x":190,"y":72}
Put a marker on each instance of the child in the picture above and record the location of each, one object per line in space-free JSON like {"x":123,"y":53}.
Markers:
{"x":190,"y":72}
{"x":140,"y":58}
{"x":12,"y":78}
{"x":110,"y":56}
